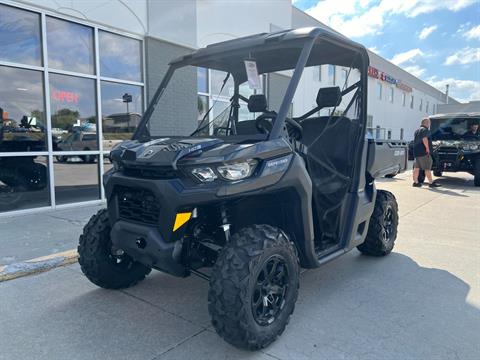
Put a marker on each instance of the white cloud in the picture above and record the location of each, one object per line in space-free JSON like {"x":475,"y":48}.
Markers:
{"x":374,"y":49}
{"x":426,"y":31}
{"x":357,"y":18}
{"x":473,"y":33}
{"x":408,"y":56}
{"x":463,"y":56}
{"x":415,"y":70}
{"x":462,"y":90}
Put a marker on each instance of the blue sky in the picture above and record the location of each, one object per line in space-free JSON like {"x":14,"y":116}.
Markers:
{"x":436,"y":40}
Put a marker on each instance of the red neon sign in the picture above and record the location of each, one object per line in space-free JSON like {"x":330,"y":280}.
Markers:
{"x":65,"y":96}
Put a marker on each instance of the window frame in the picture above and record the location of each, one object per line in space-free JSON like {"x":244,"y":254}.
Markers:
{"x":46,"y":70}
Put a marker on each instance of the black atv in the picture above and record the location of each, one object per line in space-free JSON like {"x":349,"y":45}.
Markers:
{"x":253,"y":199}
{"x":456,"y":144}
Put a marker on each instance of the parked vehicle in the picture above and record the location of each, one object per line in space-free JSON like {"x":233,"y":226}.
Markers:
{"x":255,"y":200}
{"x":455,"y":147}
{"x":82,"y":141}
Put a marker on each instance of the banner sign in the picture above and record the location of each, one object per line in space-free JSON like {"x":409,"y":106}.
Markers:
{"x":375,"y":73}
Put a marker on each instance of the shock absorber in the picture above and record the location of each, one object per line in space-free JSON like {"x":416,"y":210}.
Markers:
{"x":225,"y":223}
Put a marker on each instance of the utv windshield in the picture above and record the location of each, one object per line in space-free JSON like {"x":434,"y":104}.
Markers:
{"x":232,"y":86}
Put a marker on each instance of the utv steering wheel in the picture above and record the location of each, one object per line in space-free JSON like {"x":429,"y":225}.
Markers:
{"x":264,"y":124}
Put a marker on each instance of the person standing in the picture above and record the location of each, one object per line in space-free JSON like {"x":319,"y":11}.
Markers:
{"x":422,"y":148}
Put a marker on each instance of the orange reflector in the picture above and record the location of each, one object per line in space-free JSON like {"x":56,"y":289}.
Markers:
{"x":181,"y":219}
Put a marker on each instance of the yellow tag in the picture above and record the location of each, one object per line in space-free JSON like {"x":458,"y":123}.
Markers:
{"x":181,"y":219}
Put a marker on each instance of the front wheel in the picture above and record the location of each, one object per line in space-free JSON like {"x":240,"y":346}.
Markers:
{"x":254,"y":287}
{"x":382,"y":230}
{"x":438,"y":173}
{"x":97,"y":262}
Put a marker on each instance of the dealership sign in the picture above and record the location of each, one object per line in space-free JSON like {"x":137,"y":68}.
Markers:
{"x":375,"y":73}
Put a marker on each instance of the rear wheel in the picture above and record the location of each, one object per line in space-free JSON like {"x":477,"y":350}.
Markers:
{"x":437,"y":173}
{"x":98,"y":263}
{"x":254,"y":287}
{"x":382,"y":230}
{"x":476,"y":172}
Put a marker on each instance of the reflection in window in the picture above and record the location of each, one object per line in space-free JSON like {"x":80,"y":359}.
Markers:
{"x":379,"y":91}
{"x":74,"y":116}
{"x":23,"y":182}
{"x":331,"y":74}
{"x":20,"y":36}
{"x":22,"y":124}
{"x":76,"y":181}
{"x":217,"y":79}
{"x":70,"y":46}
{"x":122,"y":108}
{"x":120,"y":56}
{"x":202,"y":80}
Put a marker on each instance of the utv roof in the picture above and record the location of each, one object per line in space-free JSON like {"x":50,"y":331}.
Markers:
{"x":277,"y":51}
{"x":456,"y":115}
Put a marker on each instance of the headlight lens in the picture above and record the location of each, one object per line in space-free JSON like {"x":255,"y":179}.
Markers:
{"x":237,"y":171}
{"x":204,"y":174}
{"x":470,"y":147}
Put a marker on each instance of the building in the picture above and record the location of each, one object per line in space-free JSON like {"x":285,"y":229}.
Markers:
{"x":76,"y":75}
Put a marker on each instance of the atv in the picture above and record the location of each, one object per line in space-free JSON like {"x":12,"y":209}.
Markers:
{"x":245,"y":203}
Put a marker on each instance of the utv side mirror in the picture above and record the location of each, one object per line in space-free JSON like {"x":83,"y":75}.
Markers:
{"x":329,"y":97}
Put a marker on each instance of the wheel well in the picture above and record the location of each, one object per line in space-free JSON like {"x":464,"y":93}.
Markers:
{"x":279,"y":209}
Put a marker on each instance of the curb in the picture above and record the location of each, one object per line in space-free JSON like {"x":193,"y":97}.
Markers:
{"x":37,"y":265}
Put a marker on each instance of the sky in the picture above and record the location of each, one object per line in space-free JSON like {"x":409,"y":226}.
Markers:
{"x":435,"y":40}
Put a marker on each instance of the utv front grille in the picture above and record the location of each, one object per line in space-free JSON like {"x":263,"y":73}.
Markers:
{"x":138,"y":205}
{"x":158,"y":172}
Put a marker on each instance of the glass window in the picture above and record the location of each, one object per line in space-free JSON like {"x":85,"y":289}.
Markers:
{"x":390,"y":95}
{"x":202,"y":105}
{"x":74,"y":115}
{"x":401,"y":133}
{"x":122,"y":108}
{"x":22,"y":123}
{"x":331,"y":74}
{"x":76,"y":180}
{"x":120,"y":56}
{"x":404,"y":99}
{"x":217,"y":78}
{"x":70,"y":46}
{"x":20,"y":39}
{"x":420,"y":107}
{"x":344,"y":73}
{"x":427,"y":105}
{"x":411,"y":102}
{"x":23,"y":182}
{"x":379,"y":91}
{"x":202,"y":80}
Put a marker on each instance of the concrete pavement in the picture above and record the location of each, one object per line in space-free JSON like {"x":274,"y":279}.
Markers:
{"x":421,"y":302}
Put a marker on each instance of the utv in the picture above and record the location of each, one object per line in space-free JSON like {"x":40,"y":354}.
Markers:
{"x":253,"y":199}
{"x":456,"y":144}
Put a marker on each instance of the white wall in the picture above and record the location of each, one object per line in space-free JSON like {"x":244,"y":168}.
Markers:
{"x":220,"y":20}
{"x":174,"y":21}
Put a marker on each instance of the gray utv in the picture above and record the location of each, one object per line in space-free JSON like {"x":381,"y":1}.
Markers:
{"x":253,"y":198}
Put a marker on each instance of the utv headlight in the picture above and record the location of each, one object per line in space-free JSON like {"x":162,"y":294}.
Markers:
{"x":471,"y":147}
{"x":204,"y":174}
{"x":237,"y":171}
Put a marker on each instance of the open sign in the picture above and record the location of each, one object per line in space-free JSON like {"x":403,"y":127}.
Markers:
{"x":65,"y":96}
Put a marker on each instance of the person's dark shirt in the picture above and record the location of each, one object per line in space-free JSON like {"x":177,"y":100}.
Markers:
{"x":418,"y":147}
{"x":472,"y":135}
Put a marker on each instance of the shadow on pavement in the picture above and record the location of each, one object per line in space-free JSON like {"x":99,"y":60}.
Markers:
{"x":354,"y":307}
